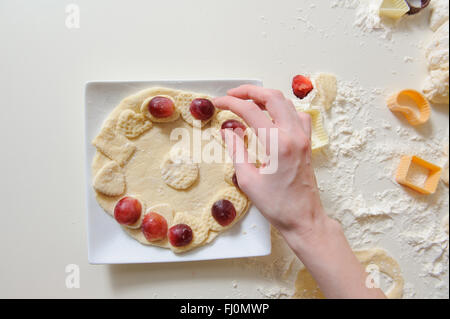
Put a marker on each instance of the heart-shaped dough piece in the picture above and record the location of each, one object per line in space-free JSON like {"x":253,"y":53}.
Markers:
{"x":110,"y":180}
{"x":132,"y":125}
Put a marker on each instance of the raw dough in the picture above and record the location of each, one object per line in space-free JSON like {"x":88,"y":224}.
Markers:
{"x":183,"y":101}
{"x":146,"y":112}
{"x":110,"y":180}
{"x":113,"y":144}
{"x":141,"y":160}
{"x":132,"y":125}
{"x":306,"y":287}
{"x":436,"y":84}
{"x":179,"y":171}
{"x":326,"y":90}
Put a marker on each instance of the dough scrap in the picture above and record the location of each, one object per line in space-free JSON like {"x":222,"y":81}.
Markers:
{"x":183,"y":103}
{"x":436,"y":87}
{"x":179,"y":171}
{"x":326,"y":90}
{"x":110,"y":180}
{"x":113,"y":145}
{"x":306,"y":287}
{"x":132,"y":125}
{"x":146,"y":112}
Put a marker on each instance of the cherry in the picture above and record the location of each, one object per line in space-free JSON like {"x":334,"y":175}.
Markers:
{"x":233,"y":124}
{"x":202,"y":109}
{"x":161,"y":107}
{"x":223,"y":212}
{"x":154,"y":226}
{"x":301,"y":86}
{"x":128,"y":211}
{"x":180,"y":235}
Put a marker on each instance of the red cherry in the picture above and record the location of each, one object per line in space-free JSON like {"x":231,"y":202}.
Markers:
{"x":202,"y":109}
{"x":128,"y":211}
{"x":154,"y":227}
{"x":301,"y":86}
{"x":180,"y":235}
{"x":223,"y":212}
{"x":233,"y":124}
{"x":161,"y":107}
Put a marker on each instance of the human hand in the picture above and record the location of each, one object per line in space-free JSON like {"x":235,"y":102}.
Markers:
{"x":288,"y":198}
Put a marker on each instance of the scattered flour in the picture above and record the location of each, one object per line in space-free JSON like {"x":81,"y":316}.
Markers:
{"x":362,"y":150}
{"x":365,"y":148}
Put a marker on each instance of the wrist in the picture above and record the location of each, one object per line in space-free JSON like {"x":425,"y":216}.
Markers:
{"x":314,"y":237}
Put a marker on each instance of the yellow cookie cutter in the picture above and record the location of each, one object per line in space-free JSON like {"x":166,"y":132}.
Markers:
{"x":410,"y":115}
{"x":319,"y":137}
{"x":432,"y":181}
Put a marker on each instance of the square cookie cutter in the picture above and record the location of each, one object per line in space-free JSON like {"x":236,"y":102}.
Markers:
{"x":432,"y":180}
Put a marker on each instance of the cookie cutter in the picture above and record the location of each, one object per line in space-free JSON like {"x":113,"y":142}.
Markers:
{"x":319,"y":136}
{"x":431,"y":182}
{"x":394,"y":9}
{"x":410,"y":114}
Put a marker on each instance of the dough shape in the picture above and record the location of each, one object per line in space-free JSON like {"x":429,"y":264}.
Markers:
{"x":183,"y":103}
{"x":146,"y":112}
{"x":199,"y":228}
{"x":178,"y":170}
{"x":138,"y":224}
{"x":239,"y":201}
{"x":140,"y":162}
{"x":326,"y":90}
{"x":229,"y":171}
{"x":306,"y":287}
{"x":110,"y":180}
{"x":436,"y":87}
{"x":220,"y":118}
{"x":115,"y":146}
{"x":132,"y":125}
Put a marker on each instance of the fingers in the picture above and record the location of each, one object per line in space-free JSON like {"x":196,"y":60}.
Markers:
{"x":237,"y":151}
{"x":305,"y":121}
{"x":247,"y":110}
{"x":280,"y":109}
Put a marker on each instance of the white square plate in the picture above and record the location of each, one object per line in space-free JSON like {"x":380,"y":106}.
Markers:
{"x":107,"y":242}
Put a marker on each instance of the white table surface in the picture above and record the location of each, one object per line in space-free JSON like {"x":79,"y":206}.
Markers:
{"x":43,"y":68}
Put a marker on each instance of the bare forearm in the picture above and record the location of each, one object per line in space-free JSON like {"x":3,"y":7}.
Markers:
{"x":327,"y":255}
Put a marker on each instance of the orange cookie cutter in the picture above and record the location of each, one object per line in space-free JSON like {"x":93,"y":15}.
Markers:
{"x":432,"y":181}
{"x":410,"y":114}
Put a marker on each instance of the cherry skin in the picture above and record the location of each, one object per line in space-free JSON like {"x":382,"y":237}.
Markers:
{"x":128,"y":211}
{"x":233,"y":124}
{"x":223,"y":212}
{"x":161,"y":107}
{"x":202,"y":109}
{"x":180,"y":235}
{"x":154,"y":227}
